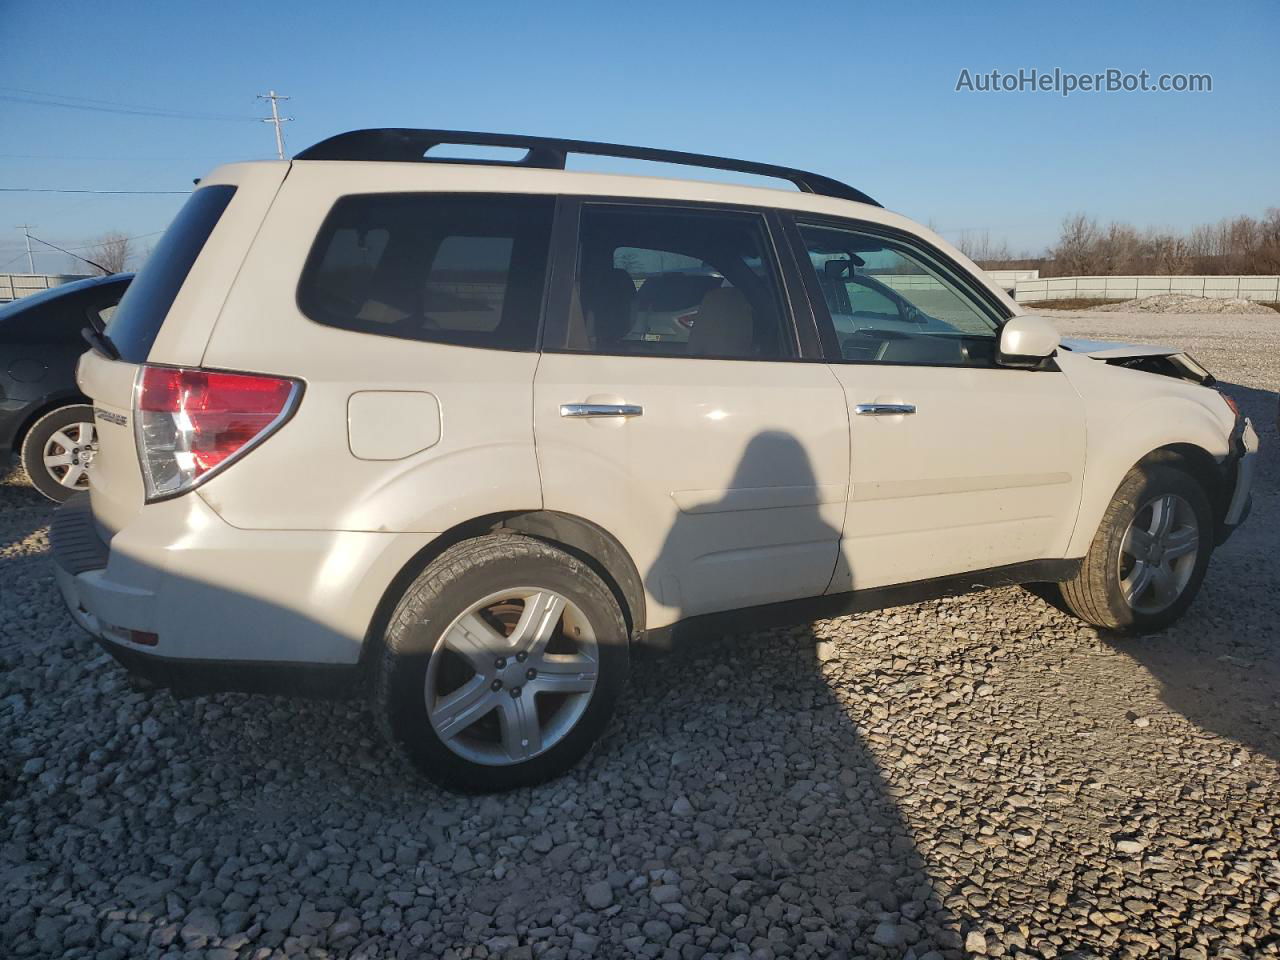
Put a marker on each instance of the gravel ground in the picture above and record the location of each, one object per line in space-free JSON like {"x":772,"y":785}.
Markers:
{"x":977,"y":776}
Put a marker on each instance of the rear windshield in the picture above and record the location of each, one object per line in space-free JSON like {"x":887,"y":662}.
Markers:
{"x":58,"y":315}
{"x":136,"y":322}
{"x":465,"y":269}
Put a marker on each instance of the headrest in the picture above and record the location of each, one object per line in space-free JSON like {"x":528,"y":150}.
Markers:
{"x":724,"y":326}
{"x":606,"y":300}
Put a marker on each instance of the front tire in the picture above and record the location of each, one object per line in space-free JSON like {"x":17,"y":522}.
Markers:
{"x":58,"y":450}
{"x":501,"y":664}
{"x":1149,"y":556}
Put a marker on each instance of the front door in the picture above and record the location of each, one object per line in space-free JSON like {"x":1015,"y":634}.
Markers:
{"x":958,"y":464}
{"x":674,"y":408}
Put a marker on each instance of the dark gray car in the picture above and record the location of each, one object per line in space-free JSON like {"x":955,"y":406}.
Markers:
{"x":43,"y":416}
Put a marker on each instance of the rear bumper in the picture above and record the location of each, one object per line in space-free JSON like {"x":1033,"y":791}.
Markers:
{"x":194,"y":677}
{"x":220,"y":608}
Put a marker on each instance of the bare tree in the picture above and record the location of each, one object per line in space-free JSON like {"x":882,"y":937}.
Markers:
{"x":1269,"y":242}
{"x":111,"y":251}
{"x":1076,"y":253}
{"x":979,"y":247}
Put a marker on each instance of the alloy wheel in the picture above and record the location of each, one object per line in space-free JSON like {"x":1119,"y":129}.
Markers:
{"x":1158,"y":553}
{"x":511,"y":676}
{"x":68,"y":454}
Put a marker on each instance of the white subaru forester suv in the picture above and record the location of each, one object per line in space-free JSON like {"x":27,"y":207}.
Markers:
{"x":378,"y":417}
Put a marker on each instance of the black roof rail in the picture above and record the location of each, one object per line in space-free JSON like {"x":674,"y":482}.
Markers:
{"x":409,"y":145}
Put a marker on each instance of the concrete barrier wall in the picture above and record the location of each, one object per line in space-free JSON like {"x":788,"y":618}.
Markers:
{"x":1004,"y":279}
{"x":1008,"y":279}
{"x":1266,"y":288}
{"x":16,"y":285}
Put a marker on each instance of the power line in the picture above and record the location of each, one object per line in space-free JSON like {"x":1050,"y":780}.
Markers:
{"x":275,"y":118}
{"x":44,"y":99}
{"x":14,"y":260}
{"x":62,"y":190}
{"x":69,"y":250}
{"x":114,"y":157}
{"x":90,"y":246}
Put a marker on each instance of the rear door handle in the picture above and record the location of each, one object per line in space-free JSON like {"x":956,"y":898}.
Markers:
{"x":883,"y":409}
{"x":585,"y":410}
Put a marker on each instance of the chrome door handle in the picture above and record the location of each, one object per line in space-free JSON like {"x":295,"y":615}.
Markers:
{"x":883,"y":409}
{"x":583,"y":410}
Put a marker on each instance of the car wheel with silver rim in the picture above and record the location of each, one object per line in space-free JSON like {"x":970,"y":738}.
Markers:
{"x":1150,"y":553}
{"x":501,"y":664}
{"x":58,"y":451}
{"x":1158,"y":553}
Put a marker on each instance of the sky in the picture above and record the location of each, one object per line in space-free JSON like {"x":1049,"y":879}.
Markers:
{"x":863,"y":92}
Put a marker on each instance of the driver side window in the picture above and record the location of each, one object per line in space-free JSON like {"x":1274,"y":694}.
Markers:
{"x":889,"y":303}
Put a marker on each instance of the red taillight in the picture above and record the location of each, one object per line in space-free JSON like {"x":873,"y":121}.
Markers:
{"x":686,"y":320}
{"x":192,"y":422}
{"x":1230,"y":402}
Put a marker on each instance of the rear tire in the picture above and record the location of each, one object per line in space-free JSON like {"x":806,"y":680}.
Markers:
{"x":1149,"y":556}
{"x":58,"y":449}
{"x":501,"y":665}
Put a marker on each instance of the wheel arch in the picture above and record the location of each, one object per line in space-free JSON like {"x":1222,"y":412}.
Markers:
{"x":1201,"y":465}
{"x":1196,"y":461}
{"x":46,"y":406}
{"x":1199,"y":462}
{"x":582,"y":539}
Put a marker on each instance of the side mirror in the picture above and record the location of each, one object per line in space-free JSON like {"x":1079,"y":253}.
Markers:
{"x":1027,"y":341}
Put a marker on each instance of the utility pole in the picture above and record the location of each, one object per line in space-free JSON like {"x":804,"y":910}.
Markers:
{"x":26,"y":232}
{"x":276,"y":119}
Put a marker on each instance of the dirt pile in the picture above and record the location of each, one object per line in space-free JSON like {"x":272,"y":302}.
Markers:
{"x":1182,"y":303}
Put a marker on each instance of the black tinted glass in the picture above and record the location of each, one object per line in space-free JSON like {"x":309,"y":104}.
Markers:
{"x":465,"y":269}
{"x":58,"y":320}
{"x":677,"y":282}
{"x":134,"y":325}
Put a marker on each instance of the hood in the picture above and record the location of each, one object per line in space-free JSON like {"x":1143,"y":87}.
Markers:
{"x":1110,"y":350}
{"x":1166,"y":361}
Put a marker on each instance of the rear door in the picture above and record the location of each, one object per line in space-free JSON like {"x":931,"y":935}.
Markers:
{"x":958,"y":464}
{"x":691,"y":421}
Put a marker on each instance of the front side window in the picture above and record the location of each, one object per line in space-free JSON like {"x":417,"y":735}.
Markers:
{"x":466,"y":269}
{"x":676,"y":282}
{"x":891,"y":303}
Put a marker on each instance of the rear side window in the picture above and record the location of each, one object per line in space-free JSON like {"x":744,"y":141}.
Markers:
{"x":136,"y":322}
{"x":466,"y":269}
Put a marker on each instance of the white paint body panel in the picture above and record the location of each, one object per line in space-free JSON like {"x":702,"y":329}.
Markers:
{"x":214,"y":592}
{"x":728,"y":491}
{"x":1128,"y":414}
{"x":392,"y":424}
{"x":986,"y":472}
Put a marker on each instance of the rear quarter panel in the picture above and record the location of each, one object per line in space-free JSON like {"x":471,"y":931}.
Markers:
{"x":185,"y":334}
{"x":306,"y":476}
